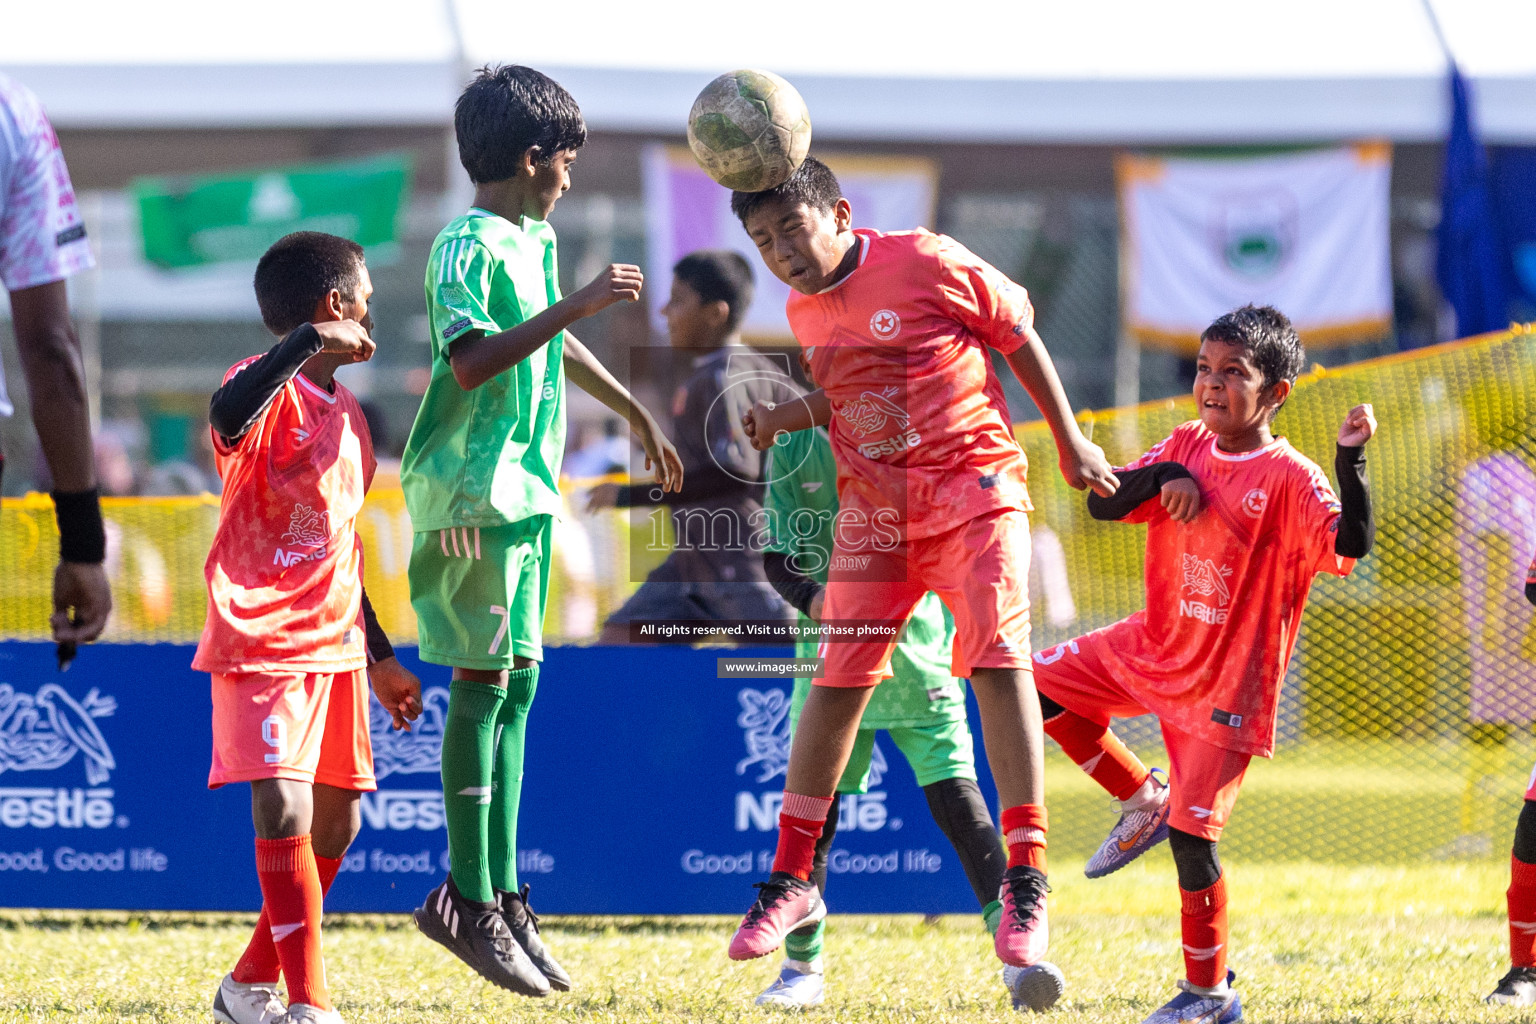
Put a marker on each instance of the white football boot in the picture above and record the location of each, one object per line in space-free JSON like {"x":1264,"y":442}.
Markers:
{"x":1034,"y":988}
{"x":798,"y":985}
{"x":239,"y":1003}
{"x":303,"y":1013}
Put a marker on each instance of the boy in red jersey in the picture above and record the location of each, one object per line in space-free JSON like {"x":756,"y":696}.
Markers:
{"x":289,"y":631}
{"x":1239,"y":522}
{"x":1518,"y":987}
{"x":931,"y":482}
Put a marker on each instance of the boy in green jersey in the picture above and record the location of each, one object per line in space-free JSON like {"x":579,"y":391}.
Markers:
{"x":480,"y":475}
{"x":922,"y":708}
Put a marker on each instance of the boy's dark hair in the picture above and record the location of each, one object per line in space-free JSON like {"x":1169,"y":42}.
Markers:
{"x":1267,"y":336}
{"x":719,"y":275}
{"x":298,"y":271}
{"x":506,"y":110}
{"x":813,"y":184}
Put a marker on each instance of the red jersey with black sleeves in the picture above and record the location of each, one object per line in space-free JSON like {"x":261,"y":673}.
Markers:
{"x":286,"y":567}
{"x":1225,"y":593}
{"x":920,"y":429}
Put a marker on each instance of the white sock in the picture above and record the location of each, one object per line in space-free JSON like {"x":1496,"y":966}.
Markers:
{"x":1144,"y":797}
{"x":803,"y":967}
{"x":1214,"y":992}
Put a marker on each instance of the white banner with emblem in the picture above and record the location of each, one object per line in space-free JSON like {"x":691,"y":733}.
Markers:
{"x":1306,"y":232}
{"x":686,"y":211}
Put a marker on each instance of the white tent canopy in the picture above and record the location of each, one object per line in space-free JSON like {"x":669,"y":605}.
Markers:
{"x":1105,"y":71}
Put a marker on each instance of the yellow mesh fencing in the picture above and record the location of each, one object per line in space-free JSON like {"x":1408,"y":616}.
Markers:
{"x":156,"y":548}
{"x":1405,"y":725}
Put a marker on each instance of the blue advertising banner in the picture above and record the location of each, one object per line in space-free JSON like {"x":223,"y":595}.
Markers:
{"x":641,"y":765}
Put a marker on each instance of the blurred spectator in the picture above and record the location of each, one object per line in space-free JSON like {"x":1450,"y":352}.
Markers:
{"x":115,"y":471}
{"x":599,"y":456}
{"x":713,"y":573}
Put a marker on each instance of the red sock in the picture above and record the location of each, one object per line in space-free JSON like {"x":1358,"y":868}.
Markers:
{"x":1521,"y":895}
{"x":800,"y":822}
{"x":1204,"y":928}
{"x":259,"y":961}
{"x":1099,"y":753}
{"x":1024,"y":831}
{"x":290,"y":890}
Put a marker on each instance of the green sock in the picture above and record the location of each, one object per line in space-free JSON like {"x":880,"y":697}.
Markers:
{"x":469,"y":737}
{"x":805,"y":948}
{"x":507,"y":778}
{"x":992,"y":916}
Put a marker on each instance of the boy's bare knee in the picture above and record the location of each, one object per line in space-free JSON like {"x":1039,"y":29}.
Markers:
{"x":337,"y":819}
{"x":490,"y":676}
{"x":281,"y":808}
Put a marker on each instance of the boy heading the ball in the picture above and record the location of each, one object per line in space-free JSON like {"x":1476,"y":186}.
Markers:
{"x":921,"y":708}
{"x":480,"y":474}
{"x":289,"y":630}
{"x":1238,"y":524}
{"x":932,"y":488}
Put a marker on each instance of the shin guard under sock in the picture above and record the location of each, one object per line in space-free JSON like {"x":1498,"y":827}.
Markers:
{"x":259,"y":962}
{"x":1203,"y":927}
{"x":1098,"y":752}
{"x":507,"y":776}
{"x":1024,"y":831}
{"x":800,"y":822}
{"x":469,"y":746}
{"x":1521,"y":899}
{"x":290,"y":890}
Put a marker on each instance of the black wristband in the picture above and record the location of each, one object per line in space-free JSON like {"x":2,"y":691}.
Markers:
{"x":82,"y":536}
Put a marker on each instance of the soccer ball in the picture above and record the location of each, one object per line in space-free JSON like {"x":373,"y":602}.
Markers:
{"x":749,"y":130}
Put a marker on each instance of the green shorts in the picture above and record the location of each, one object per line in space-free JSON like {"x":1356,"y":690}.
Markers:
{"x":935,"y":752}
{"x":479,"y":593}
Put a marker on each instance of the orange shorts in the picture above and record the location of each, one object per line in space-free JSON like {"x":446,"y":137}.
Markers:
{"x":1204,"y":778}
{"x":980,"y":570}
{"x":311,"y":727}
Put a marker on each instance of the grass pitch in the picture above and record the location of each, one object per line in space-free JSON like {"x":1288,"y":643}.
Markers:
{"x":1312,"y":943}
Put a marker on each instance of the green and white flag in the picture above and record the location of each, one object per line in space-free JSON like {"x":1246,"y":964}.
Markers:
{"x":190,"y":221}
{"x":1306,"y":232}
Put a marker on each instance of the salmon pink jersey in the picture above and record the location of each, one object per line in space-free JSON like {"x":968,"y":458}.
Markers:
{"x":286,"y":568}
{"x":920,"y":428}
{"x":1225,"y":593}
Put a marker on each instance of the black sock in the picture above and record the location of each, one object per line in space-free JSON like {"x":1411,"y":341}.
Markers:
{"x":957,"y":806}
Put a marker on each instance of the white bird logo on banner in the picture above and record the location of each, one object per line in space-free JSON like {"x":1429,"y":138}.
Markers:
{"x":44,"y":731}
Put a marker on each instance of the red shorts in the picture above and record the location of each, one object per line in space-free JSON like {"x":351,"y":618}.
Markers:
{"x":1203,"y":777}
{"x":980,"y":570}
{"x":310,"y":727}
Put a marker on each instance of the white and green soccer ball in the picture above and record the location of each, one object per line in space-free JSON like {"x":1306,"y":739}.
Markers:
{"x":749,"y":130}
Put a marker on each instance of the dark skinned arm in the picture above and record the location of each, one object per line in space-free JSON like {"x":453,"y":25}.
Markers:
{"x":476,"y":357}
{"x":1082,"y":463}
{"x":583,"y":369}
{"x":55,"y":372}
